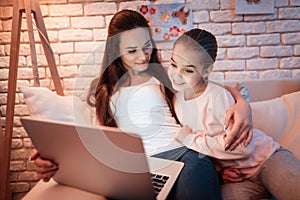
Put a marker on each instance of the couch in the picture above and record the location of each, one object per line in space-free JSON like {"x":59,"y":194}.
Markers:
{"x":275,"y":110}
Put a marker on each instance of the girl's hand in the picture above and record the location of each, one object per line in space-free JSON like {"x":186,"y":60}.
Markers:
{"x":231,"y":175}
{"x":45,"y":168}
{"x":238,"y":122}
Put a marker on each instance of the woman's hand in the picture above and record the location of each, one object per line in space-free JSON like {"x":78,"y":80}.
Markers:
{"x":231,"y":175}
{"x":45,"y":168}
{"x":238,"y":122}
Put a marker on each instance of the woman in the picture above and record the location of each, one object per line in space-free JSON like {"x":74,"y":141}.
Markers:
{"x":135,"y":94}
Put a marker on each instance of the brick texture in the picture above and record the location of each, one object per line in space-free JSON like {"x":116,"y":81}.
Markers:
{"x":265,"y":46}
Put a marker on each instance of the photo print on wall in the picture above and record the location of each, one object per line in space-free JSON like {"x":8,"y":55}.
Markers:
{"x":168,"y":21}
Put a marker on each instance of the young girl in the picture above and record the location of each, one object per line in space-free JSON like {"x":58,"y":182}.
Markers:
{"x":200,"y":106}
{"x":135,"y":94}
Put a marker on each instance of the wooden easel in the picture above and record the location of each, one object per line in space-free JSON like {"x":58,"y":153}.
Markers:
{"x":30,"y":7}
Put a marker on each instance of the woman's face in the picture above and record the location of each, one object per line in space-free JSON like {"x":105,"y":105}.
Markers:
{"x":186,"y":69}
{"x":136,"y":49}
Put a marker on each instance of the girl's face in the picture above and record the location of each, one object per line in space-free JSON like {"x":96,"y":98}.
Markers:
{"x":187,"y":68}
{"x":136,"y":49}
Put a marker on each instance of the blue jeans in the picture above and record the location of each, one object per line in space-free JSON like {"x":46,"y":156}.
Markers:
{"x":198,"y":178}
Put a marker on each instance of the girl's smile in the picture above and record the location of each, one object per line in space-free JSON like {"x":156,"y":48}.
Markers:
{"x":186,"y":70}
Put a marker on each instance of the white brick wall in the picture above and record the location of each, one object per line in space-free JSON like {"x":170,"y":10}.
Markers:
{"x":88,"y":22}
{"x":66,"y":10}
{"x":283,"y":26}
{"x":224,"y":16}
{"x":74,"y":35}
{"x":263,"y":39}
{"x":231,"y":40}
{"x":100,"y":8}
{"x":248,"y":27}
{"x":242,"y":52}
{"x":250,"y":47}
{"x":276,"y":51}
{"x":200,"y":16}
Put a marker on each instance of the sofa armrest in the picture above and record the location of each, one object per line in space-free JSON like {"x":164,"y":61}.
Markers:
{"x":260,"y":90}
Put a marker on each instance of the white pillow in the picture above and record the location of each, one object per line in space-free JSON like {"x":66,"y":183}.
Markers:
{"x":42,"y":103}
{"x":270,"y":116}
{"x":280,"y":119}
{"x":291,"y":136}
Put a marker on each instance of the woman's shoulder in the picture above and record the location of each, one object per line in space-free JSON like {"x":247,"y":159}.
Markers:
{"x":153,"y":80}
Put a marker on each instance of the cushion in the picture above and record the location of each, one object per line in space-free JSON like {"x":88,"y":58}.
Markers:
{"x":266,"y":117}
{"x":241,"y":87}
{"x":43,"y":103}
{"x":280,"y":119}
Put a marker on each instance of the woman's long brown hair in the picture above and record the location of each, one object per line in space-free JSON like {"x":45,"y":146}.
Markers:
{"x":113,"y":72}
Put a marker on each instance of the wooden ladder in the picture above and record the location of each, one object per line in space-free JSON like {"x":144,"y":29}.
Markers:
{"x":30,"y":8}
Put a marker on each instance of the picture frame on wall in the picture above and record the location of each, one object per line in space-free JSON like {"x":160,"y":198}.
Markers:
{"x":254,"y":7}
{"x":167,"y":21}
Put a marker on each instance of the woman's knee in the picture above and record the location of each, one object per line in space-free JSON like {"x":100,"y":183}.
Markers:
{"x":199,"y":164}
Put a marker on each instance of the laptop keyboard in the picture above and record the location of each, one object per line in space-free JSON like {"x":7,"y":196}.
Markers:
{"x":158,"y":181}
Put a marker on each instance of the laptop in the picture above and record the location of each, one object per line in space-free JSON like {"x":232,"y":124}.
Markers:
{"x":102,"y":160}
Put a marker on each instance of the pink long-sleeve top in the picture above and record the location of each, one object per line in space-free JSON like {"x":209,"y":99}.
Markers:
{"x":205,"y":115}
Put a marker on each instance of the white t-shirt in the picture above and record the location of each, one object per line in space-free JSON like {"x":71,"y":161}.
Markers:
{"x":142,"y":109}
{"x":205,"y":116}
